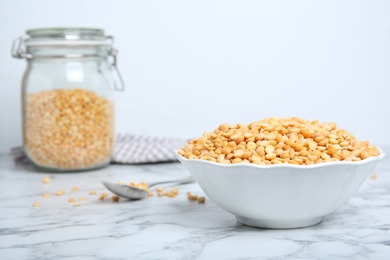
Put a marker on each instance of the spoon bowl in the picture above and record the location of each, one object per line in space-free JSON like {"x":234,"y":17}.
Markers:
{"x":134,"y":193}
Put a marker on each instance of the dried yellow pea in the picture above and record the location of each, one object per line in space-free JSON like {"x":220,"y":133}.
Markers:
{"x":103,"y":196}
{"x":45,"y":195}
{"x":191,"y":197}
{"x":60,"y":193}
{"x":46,"y":180}
{"x":201,"y":200}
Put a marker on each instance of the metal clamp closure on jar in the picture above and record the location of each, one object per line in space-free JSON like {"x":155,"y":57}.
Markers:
{"x":20,"y":44}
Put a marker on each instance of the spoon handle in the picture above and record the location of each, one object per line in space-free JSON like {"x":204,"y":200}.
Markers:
{"x":188,"y":179}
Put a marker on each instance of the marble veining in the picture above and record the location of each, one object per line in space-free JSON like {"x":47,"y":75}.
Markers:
{"x":172,"y":228}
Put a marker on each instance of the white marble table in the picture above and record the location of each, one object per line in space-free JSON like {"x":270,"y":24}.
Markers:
{"x":172,"y":228}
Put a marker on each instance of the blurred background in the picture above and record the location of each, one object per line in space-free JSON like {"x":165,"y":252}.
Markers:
{"x":191,"y":65}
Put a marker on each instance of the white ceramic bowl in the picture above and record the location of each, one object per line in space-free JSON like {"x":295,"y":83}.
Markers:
{"x":280,"y":195}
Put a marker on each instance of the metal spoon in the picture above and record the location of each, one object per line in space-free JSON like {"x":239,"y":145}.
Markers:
{"x":133,"y":193}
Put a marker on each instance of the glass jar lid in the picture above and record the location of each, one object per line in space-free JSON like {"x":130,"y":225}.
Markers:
{"x":61,"y":38}
{"x":65,"y":32}
{"x":67,"y":43}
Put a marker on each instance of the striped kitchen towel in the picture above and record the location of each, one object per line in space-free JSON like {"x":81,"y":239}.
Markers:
{"x":132,"y":149}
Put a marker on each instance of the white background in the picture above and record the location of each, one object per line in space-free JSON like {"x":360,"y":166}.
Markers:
{"x":191,"y":65}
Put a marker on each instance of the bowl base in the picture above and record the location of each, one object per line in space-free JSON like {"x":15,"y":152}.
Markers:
{"x":278,"y":224}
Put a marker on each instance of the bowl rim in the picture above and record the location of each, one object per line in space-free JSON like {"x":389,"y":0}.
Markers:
{"x":286,"y":165}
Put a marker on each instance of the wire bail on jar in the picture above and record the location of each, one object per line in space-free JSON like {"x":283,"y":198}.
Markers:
{"x":20,"y":44}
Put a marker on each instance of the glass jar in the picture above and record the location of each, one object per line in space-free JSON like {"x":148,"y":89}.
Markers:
{"x":67,"y":91}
